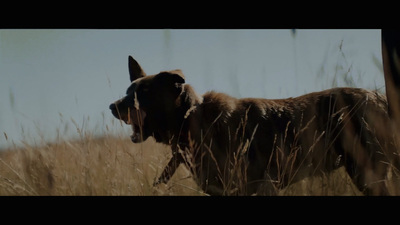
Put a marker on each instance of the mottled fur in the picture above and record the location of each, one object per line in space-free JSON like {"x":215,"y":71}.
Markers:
{"x":256,"y":146}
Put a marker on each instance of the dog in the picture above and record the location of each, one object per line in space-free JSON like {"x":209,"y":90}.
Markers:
{"x":257,"y":146}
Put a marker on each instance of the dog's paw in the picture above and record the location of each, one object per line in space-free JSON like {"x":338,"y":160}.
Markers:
{"x":160,"y":188}
{"x":160,"y":181}
{"x":156,"y":183}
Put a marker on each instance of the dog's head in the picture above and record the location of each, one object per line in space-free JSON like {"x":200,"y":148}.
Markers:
{"x":151,"y":101}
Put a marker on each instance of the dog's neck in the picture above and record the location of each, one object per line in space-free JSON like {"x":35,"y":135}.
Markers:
{"x":190,"y":100}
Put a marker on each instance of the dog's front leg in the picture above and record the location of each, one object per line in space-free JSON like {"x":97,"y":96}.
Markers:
{"x":171,"y":167}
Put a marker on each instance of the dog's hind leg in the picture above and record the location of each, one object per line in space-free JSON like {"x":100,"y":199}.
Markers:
{"x":265,"y":188}
{"x":367,"y":169}
{"x":369,"y":182}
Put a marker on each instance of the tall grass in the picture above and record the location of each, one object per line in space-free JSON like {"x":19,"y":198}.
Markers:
{"x":112,"y":165}
{"x":108,"y":165}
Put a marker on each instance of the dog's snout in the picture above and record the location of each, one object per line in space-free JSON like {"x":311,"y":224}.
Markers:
{"x":113,"y":106}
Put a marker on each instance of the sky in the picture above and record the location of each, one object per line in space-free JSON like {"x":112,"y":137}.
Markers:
{"x":53,"y":81}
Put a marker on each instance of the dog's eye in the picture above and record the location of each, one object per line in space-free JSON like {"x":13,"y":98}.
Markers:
{"x":131,"y":89}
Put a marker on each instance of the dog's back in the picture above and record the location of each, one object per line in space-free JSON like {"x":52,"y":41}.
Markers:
{"x":239,"y":144}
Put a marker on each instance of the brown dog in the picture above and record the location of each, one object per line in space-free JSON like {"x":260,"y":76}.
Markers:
{"x":256,"y":146}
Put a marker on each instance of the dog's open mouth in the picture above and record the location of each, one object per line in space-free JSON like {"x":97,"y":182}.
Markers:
{"x":136,"y":120}
{"x":136,"y":136}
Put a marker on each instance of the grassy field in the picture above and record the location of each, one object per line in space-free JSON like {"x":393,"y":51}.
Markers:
{"x":113,"y":165}
{"x":92,"y":166}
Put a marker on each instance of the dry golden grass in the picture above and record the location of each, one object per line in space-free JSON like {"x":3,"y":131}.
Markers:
{"x":93,"y":166}
{"x":113,"y":165}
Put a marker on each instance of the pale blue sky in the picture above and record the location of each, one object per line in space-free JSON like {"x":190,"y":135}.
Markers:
{"x":79,"y":72}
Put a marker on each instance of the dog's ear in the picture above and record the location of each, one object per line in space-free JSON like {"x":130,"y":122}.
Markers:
{"x":135,"y":71}
{"x":172,"y":80}
{"x":177,"y":76}
{"x":171,"y":77}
